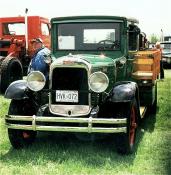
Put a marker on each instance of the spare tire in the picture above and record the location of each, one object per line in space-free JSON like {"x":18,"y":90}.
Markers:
{"x":11,"y":70}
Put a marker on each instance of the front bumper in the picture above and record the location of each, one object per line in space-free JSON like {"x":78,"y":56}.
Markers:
{"x":112,"y":125}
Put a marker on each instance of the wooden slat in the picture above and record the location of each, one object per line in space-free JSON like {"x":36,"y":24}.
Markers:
{"x":143,"y":75}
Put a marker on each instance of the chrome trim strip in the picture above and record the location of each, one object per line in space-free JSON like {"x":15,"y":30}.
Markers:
{"x":90,"y":125}
{"x":67,"y":120}
{"x":19,"y":118}
{"x":77,"y":60}
{"x":76,"y":110}
{"x":34,"y":123}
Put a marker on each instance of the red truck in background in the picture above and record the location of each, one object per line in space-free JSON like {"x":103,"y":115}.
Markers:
{"x":15,"y":48}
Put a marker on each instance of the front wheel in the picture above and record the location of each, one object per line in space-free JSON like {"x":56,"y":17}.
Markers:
{"x":125,"y":142}
{"x":21,"y":138}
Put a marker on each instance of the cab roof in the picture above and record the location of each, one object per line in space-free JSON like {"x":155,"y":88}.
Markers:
{"x":87,"y":18}
{"x":21,"y":18}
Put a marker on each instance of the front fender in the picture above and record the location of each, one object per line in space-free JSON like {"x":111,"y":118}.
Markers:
{"x":17,"y":90}
{"x":124,"y":92}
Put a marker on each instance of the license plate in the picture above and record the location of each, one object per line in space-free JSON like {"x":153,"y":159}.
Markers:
{"x":67,"y":96}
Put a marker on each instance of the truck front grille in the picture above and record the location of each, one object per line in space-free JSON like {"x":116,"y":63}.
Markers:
{"x":70,"y":79}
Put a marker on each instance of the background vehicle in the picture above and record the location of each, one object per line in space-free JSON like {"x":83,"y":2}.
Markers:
{"x":167,"y":38}
{"x":166,"y":53}
{"x":14,"y":53}
{"x":99,"y":82}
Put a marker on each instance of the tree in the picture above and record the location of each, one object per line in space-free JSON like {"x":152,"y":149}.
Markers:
{"x":154,"y":38}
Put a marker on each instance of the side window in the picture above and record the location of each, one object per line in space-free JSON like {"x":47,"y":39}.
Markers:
{"x":133,"y":37}
{"x":45,"y":29}
{"x":13,"y":28}
{"x":142,"y":41}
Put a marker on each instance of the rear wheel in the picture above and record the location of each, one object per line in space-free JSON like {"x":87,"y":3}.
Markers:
{"x":161,"y":70}
{"x":21,"y":138}
{"x":153,"y":108}
{"x":11,"y":70}
{"x":125,"y":142}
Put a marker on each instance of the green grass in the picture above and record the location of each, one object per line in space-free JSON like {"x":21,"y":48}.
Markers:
{"x":54,"y":153}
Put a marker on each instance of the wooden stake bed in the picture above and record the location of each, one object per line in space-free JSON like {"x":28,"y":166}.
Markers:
{"x":146,"y":65}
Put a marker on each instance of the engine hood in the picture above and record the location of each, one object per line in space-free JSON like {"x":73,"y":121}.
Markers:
{"x":88,"y":59}
{"x":98,"y":60}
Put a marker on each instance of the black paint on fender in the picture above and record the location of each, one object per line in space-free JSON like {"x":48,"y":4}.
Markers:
{"x":17,"y":90}
{"x":124,"y":92}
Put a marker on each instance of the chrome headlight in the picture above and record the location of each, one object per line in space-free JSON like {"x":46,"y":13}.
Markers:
{"x":36,"y":81}
{"x":98,"y":82}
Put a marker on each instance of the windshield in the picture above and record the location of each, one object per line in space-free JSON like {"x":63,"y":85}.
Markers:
{"x":89,"y":36}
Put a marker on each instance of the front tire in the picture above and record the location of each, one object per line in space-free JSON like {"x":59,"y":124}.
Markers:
{"x":21,"y":138}
{"x":125,"y":142}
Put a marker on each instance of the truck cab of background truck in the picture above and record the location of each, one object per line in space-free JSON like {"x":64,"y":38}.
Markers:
{"x":14,"y":27}
{"x":100,"y":74}
{"x":15,"y":48}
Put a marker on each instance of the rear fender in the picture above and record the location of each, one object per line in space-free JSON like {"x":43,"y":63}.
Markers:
{"x":17,"y":90}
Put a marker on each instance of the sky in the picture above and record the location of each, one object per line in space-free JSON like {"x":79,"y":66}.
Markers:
{"x":153,"y":15}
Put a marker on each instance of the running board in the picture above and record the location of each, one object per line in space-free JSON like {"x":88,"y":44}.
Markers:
{"x":143,"y":110}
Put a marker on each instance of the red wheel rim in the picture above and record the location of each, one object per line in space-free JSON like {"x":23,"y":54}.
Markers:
{"x":133,"y":126}
{"x":26,"y":135}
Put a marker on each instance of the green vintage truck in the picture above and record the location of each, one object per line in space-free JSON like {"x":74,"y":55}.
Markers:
{"x":101,"y":80}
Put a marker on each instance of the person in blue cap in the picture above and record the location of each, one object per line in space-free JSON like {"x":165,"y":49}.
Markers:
{"x":39,"y":61}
